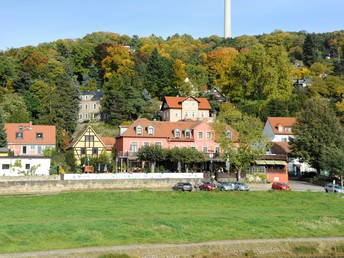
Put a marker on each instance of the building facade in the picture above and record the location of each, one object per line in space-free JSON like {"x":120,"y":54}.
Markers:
{"x":89,"y":107}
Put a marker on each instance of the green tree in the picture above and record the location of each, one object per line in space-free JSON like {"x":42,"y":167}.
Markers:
{"x":152,"y":154}
{"x":309,"y":55}
{"x":316,"y":128}
{"x":332,"y":159}
{"x":243,"y":149}
{"x":14,"y":108}
{"x":3,"y":134}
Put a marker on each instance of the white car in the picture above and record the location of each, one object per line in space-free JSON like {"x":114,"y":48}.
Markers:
{"x":331,"y":188}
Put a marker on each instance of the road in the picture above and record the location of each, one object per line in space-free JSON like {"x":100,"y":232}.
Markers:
{"x":295,"y":185}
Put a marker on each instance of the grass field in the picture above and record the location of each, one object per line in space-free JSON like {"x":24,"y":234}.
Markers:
{"x":85,"y":219}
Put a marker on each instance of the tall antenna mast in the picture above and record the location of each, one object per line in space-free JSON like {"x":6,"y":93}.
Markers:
{"x":228,"y":19}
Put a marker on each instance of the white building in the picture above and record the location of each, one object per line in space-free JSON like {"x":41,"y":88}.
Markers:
{"x":24,"y":165}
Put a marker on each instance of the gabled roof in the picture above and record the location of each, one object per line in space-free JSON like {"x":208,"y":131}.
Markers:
{"x":280,"y":148}
{"x":96,"y":95}
{"x":80,"y":134}
{"x":176,"y":102}
{"x":277,"y":122}
{"x":29,"y":134}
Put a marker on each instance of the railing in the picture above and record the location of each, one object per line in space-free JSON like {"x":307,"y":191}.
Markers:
{"x":127,"y":154}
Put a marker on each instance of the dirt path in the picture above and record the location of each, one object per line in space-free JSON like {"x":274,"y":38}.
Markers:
{"x":227,"y":248}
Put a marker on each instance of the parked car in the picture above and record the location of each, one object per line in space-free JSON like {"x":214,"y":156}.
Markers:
{"x":239,"y":186}
{"x":182,"y":186}
{"x":333,"y":188}
{"x":207,"y":186}
{"x":280,"y":186}
{"x":225,"y":186}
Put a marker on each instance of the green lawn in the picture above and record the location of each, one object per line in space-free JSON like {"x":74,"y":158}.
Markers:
{"x":71,"y":220}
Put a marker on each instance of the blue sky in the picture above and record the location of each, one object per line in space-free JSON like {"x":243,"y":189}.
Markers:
{"x":30,"y":22}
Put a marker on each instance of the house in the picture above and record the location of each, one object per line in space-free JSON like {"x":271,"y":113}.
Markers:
{"x":89,"y":107}
{"x":87,"y":143}
{"x":174,"y":109}
{"x":279,"y":131}
{"x":191,"y":134}
{"x":26,"y":139}
{"x":274,"y":166}
{"x":24,"y":165}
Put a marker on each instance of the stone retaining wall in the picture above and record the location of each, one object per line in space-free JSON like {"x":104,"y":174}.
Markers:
{"x":32,"y":186}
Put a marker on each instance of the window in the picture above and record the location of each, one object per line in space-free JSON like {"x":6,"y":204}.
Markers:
{"x":200,"y":135}
{"x":186,"y":114}
{"x":32,"y":147}
{"x":39,"y":149}
{"x":86,"y":116}
{"x":208,"y":135}
{"x":205,"y":150}
{"x":288,"y":129}
{"x":80,"y":116}
{"x":187,"y":134}
{"x":86,"y":107}
{"x":217,"y":149}
{"x":228,"y":134}
{"x":177,"y":134}
{"x":193,"y":114}
{"x":95,"y":151}
{"x":193,"y":104}
{"x":150,"y":130}
{"x":5,"y":166}
{"x":94,"y":106}
{"x":158,"y":144}
{"x":39,"y":136}
{"x":146,"y":143}
{"x":80,"y":106}
{"x":202,"y":114}
{"x":139,"y":130}
{"x":89,"y":138}
{"x":176,"y":114}
{"x":133,"y":147}
{"x":24,"y":149}
{"x":83,"y":151}
{"x":19,"y":135}
{"x":27,"y":166}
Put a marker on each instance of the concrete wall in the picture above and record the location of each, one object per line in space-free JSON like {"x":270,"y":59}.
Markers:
{"x":35,"y":185}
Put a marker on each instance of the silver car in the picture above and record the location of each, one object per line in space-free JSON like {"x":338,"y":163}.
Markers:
{"x":332,"y":188}
{"x":182,"y":186}
{"x":239,"y":186}
{"x":225,"y":186}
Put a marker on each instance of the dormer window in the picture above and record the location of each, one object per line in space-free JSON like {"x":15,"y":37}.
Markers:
{"x":228,"y":134}
{"x":19,"y":135}
{"x":177,"y":134}
{"x":139,"y":130}
{"x":150,"y":130}
{"x":39,"y":136}
{"x":187,"y":134}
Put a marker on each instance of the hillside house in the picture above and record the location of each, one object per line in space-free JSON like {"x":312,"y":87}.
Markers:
{"x":174,"y":109}
{"x":89,"y":106}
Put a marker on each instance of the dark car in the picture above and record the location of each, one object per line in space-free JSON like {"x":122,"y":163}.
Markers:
{"x":207,"y":186}
{"x":333,"y":188}
{"x":280,"y":186}
{"x":225,"y":186}
{"x":239,"y":186}
{"x":182,"y":186}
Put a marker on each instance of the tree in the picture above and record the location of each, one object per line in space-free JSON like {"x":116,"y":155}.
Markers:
{"x":3,"y":135}
{"x":240,"y":150}
{"x":316,"y":128}
{"x":152,"y":154}
{"x":332,"y":159}
{"x":309,"y":55}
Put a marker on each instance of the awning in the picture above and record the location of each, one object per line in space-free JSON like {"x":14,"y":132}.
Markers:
{"x":270,"y":162}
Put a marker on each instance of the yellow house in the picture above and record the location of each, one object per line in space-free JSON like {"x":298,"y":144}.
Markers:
{"x":3,"y":152}
{"x":87,"y":143}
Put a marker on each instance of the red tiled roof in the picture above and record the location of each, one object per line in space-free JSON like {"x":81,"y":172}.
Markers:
{"x":176,"y":102}
{"x":275,"y":122}
{"x":30,"y":132}
{"x":164,"y":129}
{"x":109,"y":142}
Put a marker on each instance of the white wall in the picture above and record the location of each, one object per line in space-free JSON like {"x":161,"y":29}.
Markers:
{"x":28,"y":164}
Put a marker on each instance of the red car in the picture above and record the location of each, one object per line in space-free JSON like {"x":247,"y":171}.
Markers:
{"x":207,"y":186}
{"x":280,"y":186}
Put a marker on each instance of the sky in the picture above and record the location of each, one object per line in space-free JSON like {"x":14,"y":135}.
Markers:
{"x":31,"y":22}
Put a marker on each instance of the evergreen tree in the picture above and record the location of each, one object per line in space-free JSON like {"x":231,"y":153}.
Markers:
{"x":159,"y":76}
{"x":309,"y":55}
